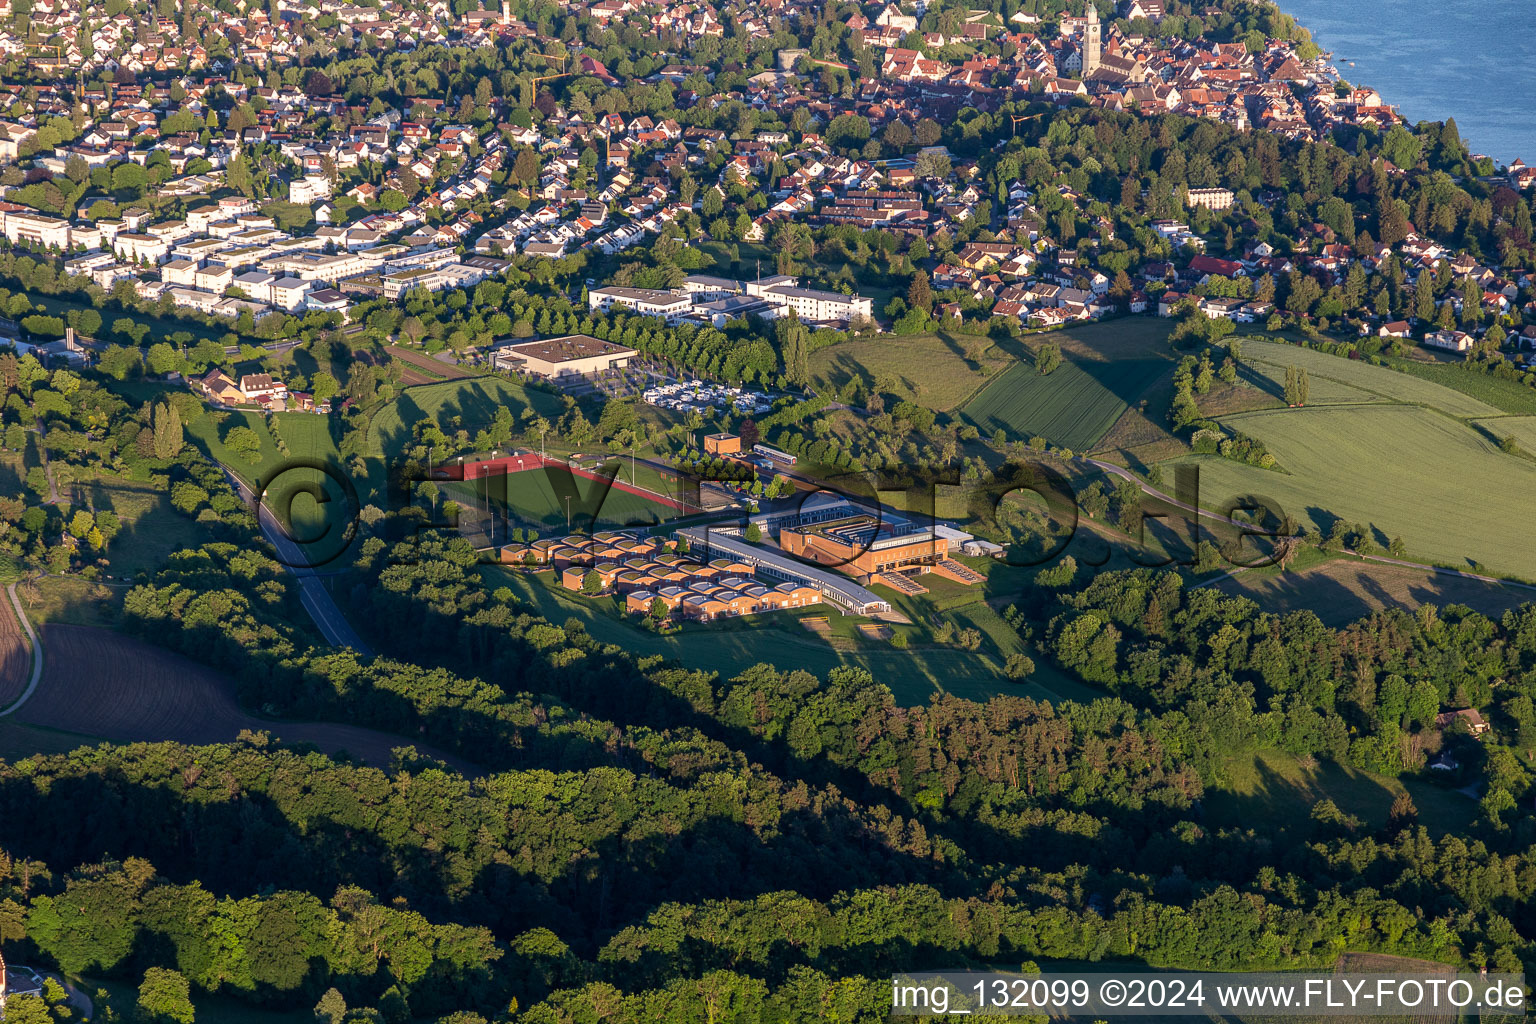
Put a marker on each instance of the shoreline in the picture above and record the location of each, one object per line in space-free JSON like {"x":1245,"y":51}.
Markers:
{"x":1324,"y":26}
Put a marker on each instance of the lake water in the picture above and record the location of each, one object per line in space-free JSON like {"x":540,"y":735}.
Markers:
{"x":1474,"y":60}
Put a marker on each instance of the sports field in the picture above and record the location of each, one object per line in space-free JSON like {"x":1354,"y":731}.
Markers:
{"x":530,"y":500}
{"x":454,"y":405}
{"x":939,"y":370}
{"x":1106,"y":368}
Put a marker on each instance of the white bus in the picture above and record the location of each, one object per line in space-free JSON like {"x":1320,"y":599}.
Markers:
{"x":774,"y":454}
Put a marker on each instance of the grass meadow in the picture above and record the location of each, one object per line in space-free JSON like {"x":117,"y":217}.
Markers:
{"x":1436,"y":482}
{"x":1274,"y":791}
{"x":1404,"y":455}
{"x":456,"y":405}
{"x":1403,"y":388}
{"x":940,"y":371}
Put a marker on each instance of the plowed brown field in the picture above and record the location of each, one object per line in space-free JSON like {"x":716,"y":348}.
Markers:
{"x":15,"y":658}
{"x":102,"y":684}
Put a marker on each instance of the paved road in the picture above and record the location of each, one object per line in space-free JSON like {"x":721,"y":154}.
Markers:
{"x":317,"y":601}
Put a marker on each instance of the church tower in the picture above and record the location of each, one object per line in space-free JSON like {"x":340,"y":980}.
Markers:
{"x":1091,"y":41}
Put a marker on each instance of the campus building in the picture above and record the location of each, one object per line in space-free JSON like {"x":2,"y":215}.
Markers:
{"x":648,"y":301}
{"x":785,"y":293}
{"x":864,"y":547}
{"x":555,"y":358}
{"x":764,"y":561}
{"x":722,"y":444}
{"x":716,"y":300}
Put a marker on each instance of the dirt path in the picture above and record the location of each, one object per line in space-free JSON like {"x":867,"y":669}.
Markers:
{"x":99,"y":684}
{"x":53,"y":487}
{"x":15,"y":656}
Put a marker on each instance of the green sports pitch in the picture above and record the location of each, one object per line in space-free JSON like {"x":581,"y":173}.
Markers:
{"x":529,"y":499}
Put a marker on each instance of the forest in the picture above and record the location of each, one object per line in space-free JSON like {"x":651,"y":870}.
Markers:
{"x":648,"y":841}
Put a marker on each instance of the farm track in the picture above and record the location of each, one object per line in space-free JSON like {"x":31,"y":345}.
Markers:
{"x":102,"y":685}
{"x":15,"y":656}
{"x":434,"y":370}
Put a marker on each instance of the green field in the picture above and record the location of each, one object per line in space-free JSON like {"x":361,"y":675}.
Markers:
{"x":1273,"y":788}
{"x":913,"y":675}
{"x":1521,"y":428}
{"x":531,"y":501}
{"x":1070,"y":408}
{"x":209,"y":430}
{"x":1403,"y":470}
{"x":313,"y":503}
{"x":454,"y":405}
{"x":1509,"y":395}
{"x":1345,"y":589}
{"x":939,"y":371}
{"x":1269,"y":377}
{"x":151,"y":528}
{"x":1377,"y":380}
{"x":1106,"y":369}
{"x":122,"y":999}
{"x":1398,"y":452}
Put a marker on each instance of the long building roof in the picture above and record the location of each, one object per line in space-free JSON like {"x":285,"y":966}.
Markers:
{"x":838,"y":589}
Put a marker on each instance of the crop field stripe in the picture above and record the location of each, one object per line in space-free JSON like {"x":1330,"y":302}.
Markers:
{"x":1068,"y":408}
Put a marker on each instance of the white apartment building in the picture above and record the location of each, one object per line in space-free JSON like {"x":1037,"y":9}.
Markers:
{"x":307,"y":190}
{"x":648,"y":301}
{"x":703,"y":288}
{"x":811,"y":304}
{"x":1211,"y":198}
{"x":213,"y":279}
{"x":453,"y":275}
{"x":136,"y":248}
{"x":257,"y":284}
{"x":182,"y":273}
{"x":36,"y":229}
{"x":317,"y":266}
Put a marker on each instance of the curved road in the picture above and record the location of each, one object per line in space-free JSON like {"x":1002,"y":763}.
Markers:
{"x":317,"y":601}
